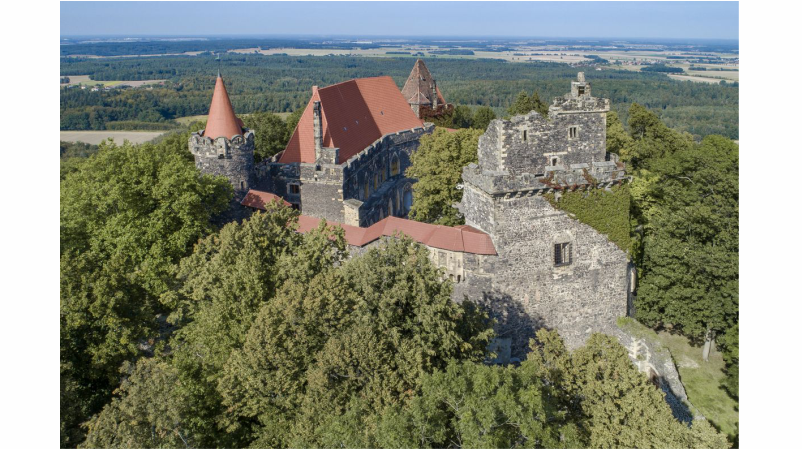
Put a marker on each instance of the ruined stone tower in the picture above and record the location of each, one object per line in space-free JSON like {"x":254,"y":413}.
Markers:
{"x":552,"y":270}
{"x":225,"y":147}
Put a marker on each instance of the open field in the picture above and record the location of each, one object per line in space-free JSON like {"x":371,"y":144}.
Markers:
{"x":84,"y":79}
{"x":702,"y":380}
{"x":95,"y":137}
{"x":196,"y":118}
{"x":697,"y":79}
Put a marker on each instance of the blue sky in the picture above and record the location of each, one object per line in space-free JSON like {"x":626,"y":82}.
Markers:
{"x":681,"y":20}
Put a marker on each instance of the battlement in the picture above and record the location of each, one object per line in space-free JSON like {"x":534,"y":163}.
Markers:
{"x":593,"y":174}
{"x":220,"y":147}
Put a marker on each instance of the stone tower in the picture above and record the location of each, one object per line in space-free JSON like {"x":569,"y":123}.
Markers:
{"x":422,"y":94}
{"x":552,"y":270}
{"x":225,"y":147}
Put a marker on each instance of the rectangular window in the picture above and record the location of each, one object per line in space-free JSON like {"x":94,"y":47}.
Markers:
{"x":562,"y":254}
{"x":573,"y":132}
{"x":295,"y":189}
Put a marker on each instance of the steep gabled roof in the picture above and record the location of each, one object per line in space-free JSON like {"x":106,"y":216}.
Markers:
{"x":460,"y":238}
{"x":259,"y":200}
{"x":354,"y":114}
{"x":418,"y":88}
{"x":221,"y":122}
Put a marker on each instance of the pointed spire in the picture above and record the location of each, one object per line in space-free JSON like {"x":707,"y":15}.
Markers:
{"x":221,"y":122}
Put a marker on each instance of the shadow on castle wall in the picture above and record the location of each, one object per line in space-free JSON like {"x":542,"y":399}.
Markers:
{"x":512,"y":321}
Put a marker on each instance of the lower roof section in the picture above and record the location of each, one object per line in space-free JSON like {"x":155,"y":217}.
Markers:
{"x":463,"y":239}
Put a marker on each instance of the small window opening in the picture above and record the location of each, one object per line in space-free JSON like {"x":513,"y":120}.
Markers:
{"x":572,"y":132}
{"x":295,"y":189}
{"x":242,"y":185}
{"x":524,"y":135}
{"x":562,"y":254}
{"x":581,"y":90}
{"x":554,"y":162}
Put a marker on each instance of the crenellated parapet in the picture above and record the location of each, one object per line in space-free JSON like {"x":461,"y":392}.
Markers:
{"x":221,"y":147}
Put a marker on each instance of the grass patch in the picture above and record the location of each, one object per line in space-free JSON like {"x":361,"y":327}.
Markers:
{"x":702,"y":380}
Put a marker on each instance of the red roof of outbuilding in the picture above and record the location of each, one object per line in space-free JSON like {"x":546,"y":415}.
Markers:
{"x":259,"y":199}
{"x":221,"y":122}
{"x":354,"y":114}
{"x":461,"y":238}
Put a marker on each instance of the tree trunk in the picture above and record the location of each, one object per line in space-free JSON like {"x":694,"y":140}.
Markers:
{"x":709,"y":344}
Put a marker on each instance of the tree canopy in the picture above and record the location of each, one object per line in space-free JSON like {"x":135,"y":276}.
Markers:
{"x":437,"y":165}
{"x":128,"y":215}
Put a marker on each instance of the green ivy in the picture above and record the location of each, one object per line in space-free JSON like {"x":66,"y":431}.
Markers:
{"x":605,"y":210}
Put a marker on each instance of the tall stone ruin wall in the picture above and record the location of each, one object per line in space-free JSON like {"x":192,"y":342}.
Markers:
{"x":527,"y":291}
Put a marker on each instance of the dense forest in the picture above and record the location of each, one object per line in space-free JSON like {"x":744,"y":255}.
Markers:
{"x":279,"y":83}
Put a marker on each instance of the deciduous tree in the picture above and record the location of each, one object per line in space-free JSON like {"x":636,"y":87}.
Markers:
{"x":437,"y":165}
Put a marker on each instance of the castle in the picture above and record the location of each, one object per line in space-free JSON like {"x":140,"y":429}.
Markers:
{"x":529,"y":263}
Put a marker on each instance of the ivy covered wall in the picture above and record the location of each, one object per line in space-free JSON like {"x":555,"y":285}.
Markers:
{"x":606,"y":211}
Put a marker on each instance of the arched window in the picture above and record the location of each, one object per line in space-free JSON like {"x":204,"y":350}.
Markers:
{"x":367,"y":190}
{"x":375,"y":181}
{"x":395,"y":166}
{"x":390,"y":207}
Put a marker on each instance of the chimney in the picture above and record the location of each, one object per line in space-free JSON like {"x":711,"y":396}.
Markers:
{"x":317,"y":122}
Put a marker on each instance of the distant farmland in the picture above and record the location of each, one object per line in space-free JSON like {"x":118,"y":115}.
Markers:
{"x":95,"y":137}
{"x":84,"y":79}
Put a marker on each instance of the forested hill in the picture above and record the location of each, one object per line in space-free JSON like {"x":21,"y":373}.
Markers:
{"x":283,"y":84}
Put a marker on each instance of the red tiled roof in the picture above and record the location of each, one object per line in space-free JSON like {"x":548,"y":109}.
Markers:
{"x":354,"y":114}
{"x":460,"y":238}
{"x":418,"y":88}
{"x":221,"y":121}
{"x":259,"y":199}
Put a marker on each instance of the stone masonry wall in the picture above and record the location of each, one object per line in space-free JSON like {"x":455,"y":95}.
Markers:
{"x":524,"y":288}
{"x":223,"y":157}
{"x":366,"y":181}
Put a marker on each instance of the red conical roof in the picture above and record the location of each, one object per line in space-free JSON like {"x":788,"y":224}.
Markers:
{"x":222,"y":122}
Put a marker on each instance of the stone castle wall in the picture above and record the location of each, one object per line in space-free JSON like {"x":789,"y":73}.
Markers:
{"x":526,"y":290}
{"x":525,"y":286}
{"x":359,"y":191}
{"x":232,"y":158}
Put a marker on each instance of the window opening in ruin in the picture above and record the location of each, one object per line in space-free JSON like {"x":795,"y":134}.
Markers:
{"x":581,"y":90}
{"x":554,"y":162}
{"x":572,"y":132}
{"x":562,"y":254}
{"x":242,"y":185}
{"x":524,"y":135}
{"x":295,"y":189}
{"x":458,"y":279}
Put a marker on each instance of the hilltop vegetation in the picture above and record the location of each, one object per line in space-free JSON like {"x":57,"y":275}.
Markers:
{"x":258,"y":83}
